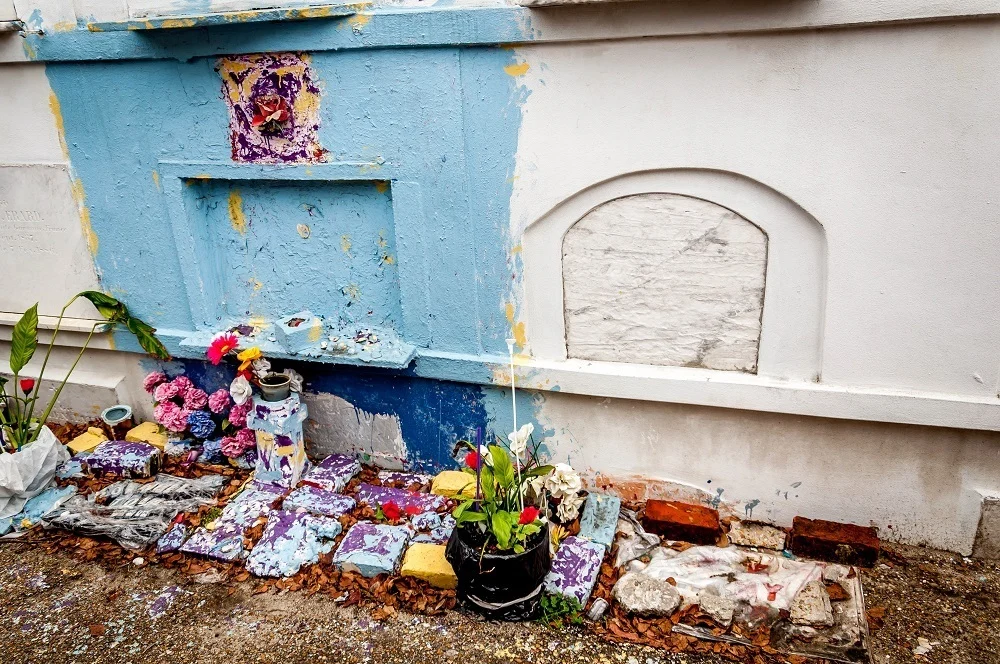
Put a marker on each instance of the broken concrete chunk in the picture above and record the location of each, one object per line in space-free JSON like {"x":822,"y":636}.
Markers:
{"x":372,"y":549}
{"x":319,"y":501}
{"x":682,"y":521}
{"x":575,"y":569}
{"x":600,"y":518}
{"x":837,"y":542}
{"x":427,"y":562}
{"x":333,"y":473}
{"x":173,"y":540}
{"x":811,"y":606}
{"x":644,"y":595}
{"x":225,"y":541}
{"x":117,"y":457}
{"x":403,"y":479}
{"x":759,"y":535}
{"x":42,"y":504}
{"x":370,"y":494}
{"x":291,"y":540}
{"x":87,"y":440}
{"x":721,"y":609}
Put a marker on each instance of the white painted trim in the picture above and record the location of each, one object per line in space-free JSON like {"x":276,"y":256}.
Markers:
{"x":794,"y":296}
{"x":8,"y":318}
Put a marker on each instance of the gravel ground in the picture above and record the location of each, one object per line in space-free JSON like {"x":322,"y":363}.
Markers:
{"x":55,"y":608}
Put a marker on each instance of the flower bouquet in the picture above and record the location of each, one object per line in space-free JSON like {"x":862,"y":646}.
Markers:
{"x":253,"y":369}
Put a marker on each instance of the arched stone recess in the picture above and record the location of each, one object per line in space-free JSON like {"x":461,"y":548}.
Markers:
{"x":750,"y":235}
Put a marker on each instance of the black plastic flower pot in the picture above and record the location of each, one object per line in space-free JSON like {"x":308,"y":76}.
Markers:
{"x":499,"y":585}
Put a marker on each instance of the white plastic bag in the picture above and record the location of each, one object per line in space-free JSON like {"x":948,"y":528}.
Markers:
{"x":29,"y":471}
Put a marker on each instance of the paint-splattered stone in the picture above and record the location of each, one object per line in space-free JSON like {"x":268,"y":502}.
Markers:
{"x":319,"y":501}
{"x":575,"y":569}
{"x":291,"y":540}
{"x":281,"y":446}
{"x":380,"y":495}
{"x":372,"y":549}
{"x":403,"y":479}
{"x":299,"y":331}
{"x":434,"y":529}
{"x":118,"y":457}
{"x":333,"y":473}
{"x":225,"y":541}
{"x":173,"y":540}
{"x":38,"y":506}
{"x":249,"y":80}
{"x":72,"y":467}
{"x":600,"y":518}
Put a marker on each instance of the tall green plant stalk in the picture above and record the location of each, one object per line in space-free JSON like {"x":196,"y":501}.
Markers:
{"x":17,"y":423}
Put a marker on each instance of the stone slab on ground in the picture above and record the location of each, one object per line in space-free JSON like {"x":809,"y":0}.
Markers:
{"x":319,"y":501}
{"x":290,"y":541}
{"x":599,"y":520}
{"x":87,"y":440}
{"x":38,"y":506}
{"x":759,"y":535}
{"x":836,"y":542}
{"x":454,"y":483}
{"x":173,"y":539}
{"x":372,"y":549}
{"x":682,"y":521}
{"x":811,"y":606}
{"x":333,"y":473}
{"x":118,"y":457}
{"x":645,"y":595}
{"x":225,"y":541}
{"x":427,"y":562}
{"x":380,"y":495}
{"x":148,"y":432}
{"x":403,"y":478}
{"x":432,"y":528}
{"x":575,"y":568}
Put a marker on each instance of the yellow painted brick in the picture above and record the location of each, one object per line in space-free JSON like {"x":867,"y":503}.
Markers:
{"x":450,"y":483}
{"x":147,"y":432}
{"x":87,"y":441}
{"x":427,"y":562}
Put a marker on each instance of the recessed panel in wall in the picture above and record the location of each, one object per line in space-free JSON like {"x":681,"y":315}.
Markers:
{"x":667,"y":280}
{"x":278,"y":247}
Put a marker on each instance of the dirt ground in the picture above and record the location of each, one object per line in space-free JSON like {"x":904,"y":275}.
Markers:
{"x":55,"y":608}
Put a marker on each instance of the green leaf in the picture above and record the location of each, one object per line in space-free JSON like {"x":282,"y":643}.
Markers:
{"x":24,"y":339}
{"x":502,"y":524}
{"x":110,"y":307}
{"x":460,"y":510}
{"x":518,"y":548}
{"x":538,"y":471}
{"x":470,"y":517}
{"x":503,"y":469}
{"x":146,"y":337}
{"x":488,"y":484}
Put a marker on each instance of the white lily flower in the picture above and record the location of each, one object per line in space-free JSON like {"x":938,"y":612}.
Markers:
{"x":295,"y":379}
{"x":240,"y":390}
{"x":519,"y":439}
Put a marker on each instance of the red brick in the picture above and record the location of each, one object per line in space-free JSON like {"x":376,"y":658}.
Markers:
{"x":682,"y":521}
{"x":836,"y":542}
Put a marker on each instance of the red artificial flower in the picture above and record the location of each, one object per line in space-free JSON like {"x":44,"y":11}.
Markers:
{"x":528,"y":515}
{"x":472,"y":459}
{"x":246,"y":373}
{"x":412,"y":510}
{"x":221,"y":346}
{"x":391,"y":511}
{"x":27,"y":384}
{"x":270,"y":109}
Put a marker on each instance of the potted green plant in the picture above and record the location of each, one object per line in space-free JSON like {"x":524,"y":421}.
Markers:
{"x":29,"y":451}
{"x":500,"y":546}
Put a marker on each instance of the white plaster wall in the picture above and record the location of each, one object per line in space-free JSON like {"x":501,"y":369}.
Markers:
{"x":921,"y":485}
{"x":885,"y":135}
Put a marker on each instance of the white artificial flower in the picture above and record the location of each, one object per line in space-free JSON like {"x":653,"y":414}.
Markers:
{"x":519,"y":439}
{"x":261,"y":367}
{"x":295,"y":379}
{"x":568,"y":508}
{"x":240,"y":390}
{"x":486,"y":455}
{"x":564,"y":481}
{"x":537,"y":484}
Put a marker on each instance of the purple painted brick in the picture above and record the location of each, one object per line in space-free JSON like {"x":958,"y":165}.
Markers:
{"x":372,"y":549}
{"x":333,"y":473}
{"x":118,"y":457}
{"x":575,"y":569}
{"x":404,"y":479}
{"x":173,"y":539}
{"x":319,"y":501}
{"x":291,"y":540}
{"x":226,"y":541}
{"x":380,"y":495}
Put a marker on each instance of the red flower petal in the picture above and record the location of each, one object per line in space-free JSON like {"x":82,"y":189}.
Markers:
{"x":413,"y":510}
{"x":472,"y":459}
{"x":391,"y":511}
{"x":528,"y":515}
{"x":27,"y":384}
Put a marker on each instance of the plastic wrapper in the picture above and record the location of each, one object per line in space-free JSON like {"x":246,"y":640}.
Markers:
{"x":135,"y":515}
{"x":634,"y":542}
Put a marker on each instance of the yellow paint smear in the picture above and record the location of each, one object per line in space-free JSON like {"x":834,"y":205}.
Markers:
{"x":316,"y":331}
{"x":381,"y":186}
{"x":515,"y":250}
{"x":520,"y":339}
{"x":64,"y":26}
{"x":170,"y":23}
{"x":236,"y":216}
{"x":345,"y":243}
{"x":81,"y":203}
{"x":509,"y":309}
{"x":517,"y":70}
{"x":156,"y":179}
{"x":359,"y":21}
{"x":60,"y":127}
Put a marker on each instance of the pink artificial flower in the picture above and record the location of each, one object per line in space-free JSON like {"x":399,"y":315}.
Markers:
{"x":247,"y":438}
{"x":238,"y":414}
{"x":179,"y":422}
{"x":150,"y":382}
{"x":165,"y":392}
{"x":183,"y":384}
{"x":231,"y":447}
{"x":165,"y":411}
{"x":221,"y":346}
{"x":195,"y":399}
{"x":218,"y":401}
